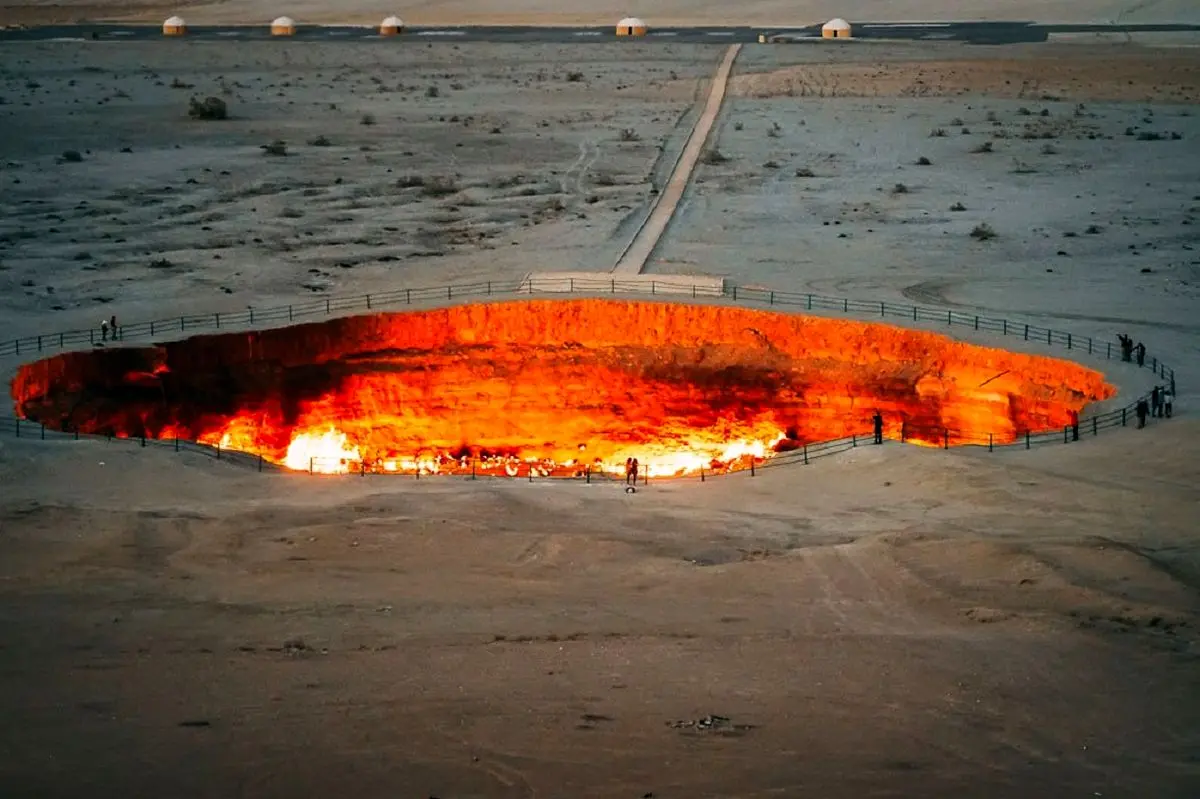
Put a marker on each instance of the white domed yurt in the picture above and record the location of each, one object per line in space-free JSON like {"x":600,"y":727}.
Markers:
{"x":174,"y":26}
{"x":392,"y":26}
{"x":835,"y":29}
{"x":283,"y":26}
{"x":631,"y":26}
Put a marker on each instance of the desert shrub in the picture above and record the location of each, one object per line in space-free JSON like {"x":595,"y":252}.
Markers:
{"x":629,"y":134}
{"x":210,"y":108}
{"x":320,"y":141}
{"x":432,"y":91}
{"x":900,"y":188}
{"x":1049,"y":149}
{"x":937,"y":133}
{"x":985,"y":147}
{"x":983,"y":232}
{"x":713,"y":157}
{"x":574,"y":77}
{"x":805,"y":172}
{"x":277,"y":147}
{"x":775,"y":131}
{"x":367,"y":119}
{"x":923,"y":161}
{"x":958,"y":207}
{"x":439,"y":186}
{"x":71,"y":156}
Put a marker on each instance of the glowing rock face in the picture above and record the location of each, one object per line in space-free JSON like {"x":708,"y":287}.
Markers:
{"x":556,"y":385}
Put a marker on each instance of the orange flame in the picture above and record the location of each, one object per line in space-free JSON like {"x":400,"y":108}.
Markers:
{"x":555,"y":387}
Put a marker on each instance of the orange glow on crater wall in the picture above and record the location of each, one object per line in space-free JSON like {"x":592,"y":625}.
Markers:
{"x":555,"y":386}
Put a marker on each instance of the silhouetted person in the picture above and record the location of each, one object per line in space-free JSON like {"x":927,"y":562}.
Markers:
{"x":1155,"y":402}
{"x":1074,"y":425}
{"x":878,"y":420}
{"x":1126,"y":347}
{"x":1143,"y":408}
{"x":634,"y":470}
{"x":628,"y":470}
{"x":1168,"y":399}
{"x":104,"y":330}
{"x":113,"y":324}
{"x":1140,"y":349}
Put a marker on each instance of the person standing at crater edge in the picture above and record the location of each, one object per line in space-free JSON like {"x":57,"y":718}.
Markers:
{"x":1143,"y":408}
{"x":877,"y":419}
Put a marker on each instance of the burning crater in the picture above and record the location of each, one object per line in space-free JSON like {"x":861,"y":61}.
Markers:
{"x":555,"y":386}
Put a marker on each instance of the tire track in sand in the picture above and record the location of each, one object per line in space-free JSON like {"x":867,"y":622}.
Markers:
{"x":633,"y":260}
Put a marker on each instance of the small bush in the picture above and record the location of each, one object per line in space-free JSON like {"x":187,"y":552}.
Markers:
{"x":629,"y":134}
{"x":713,"y":157}
{"x":1150,"y":135}
{"x":985,"y":147}
{"x":320,"y":141}
{"x":983,"y":232}
{"x":367,"y":119}
{"x":1093,"y":230}
{"x":958,"y":207}
{"x":805,"y":172}
{"x":277,"y":147}
{"x":439,"y":186}
{"x":432,"y":91}
{"x":900,"y":188}
{"x":1023,"y":111}
{"x":574,"y":77}
{"x":775,"y":131}
{"x":957,"y":122}
{"x":1049,"y":149}
{"x":71,"y":156}
{"x":738,"y":126}
{"x":923,"y":161}
{"x":210,"y":108}
{"x":937,"y":133}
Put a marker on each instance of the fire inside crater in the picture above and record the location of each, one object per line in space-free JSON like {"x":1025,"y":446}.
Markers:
{"x":554,"y":386}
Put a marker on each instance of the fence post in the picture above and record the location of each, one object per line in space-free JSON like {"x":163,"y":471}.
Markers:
{"x":1068,"y":341}
{"x":854,"y":440}
{"x":1049,"y":336}
{"x":945,"y":438}
{"x":181,"y":323}
{"x":531,"y":473}
{"x":91,"y":338}
{"x":176,"y":440}
{"x":845,"y":305}
{"x":772,"y":302}
{"x":950,"y":318}
{"x":1027,"y":442}
{"x":326,"y":307}
{"x":362,"y":468}
{"x":143,"y":438}
{"x":1123,"y":410}
{"x":76,"y":433}
{"x":1027,"y":332}
{"x":735,"y":293}
{"x":977,"y":322}
{"x":805,"y":454}
{"x":39,"y":344}
{"x":914,"y":313}
{"x":368,"y":302}
{"x":701,"y":473}
{"x":289,"y":313}
{"x":652,"y":287}
{"x":60,"y":337}
{"x":1154,"y":367}
{"x":882,"y":312}
{"x":218,"y":450}
{"x":260,"y":461}
{"x":251,"y":318}
{"x":587,"y":474}
{"x":1004,"y":326}
{"x":751,"y":465}
{"x":613,"y":286}
{"x":43,"y":431}
{"x":1066,"y":434}
{"x":1089,"y":345}
{"x":489,"y":285}
{"x":1108,"y":351}
{"x":810,"y":302}
{"x":1095,"y":426}
{"x":472,"y":468}
{"x":990,"y":442}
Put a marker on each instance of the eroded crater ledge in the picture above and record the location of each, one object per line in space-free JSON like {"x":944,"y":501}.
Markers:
{"x":570,"y":384}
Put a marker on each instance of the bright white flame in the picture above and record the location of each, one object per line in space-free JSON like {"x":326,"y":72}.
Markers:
{"x":327,"y":452}
{"x":692,"y":456}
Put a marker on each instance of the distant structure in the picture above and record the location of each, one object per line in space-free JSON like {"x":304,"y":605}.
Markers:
{"x":835,"y":29}
{"x":283,"y":26}
{"x":392,"y":26}
{"x":174,"y":26}
{"x":631,"y":26}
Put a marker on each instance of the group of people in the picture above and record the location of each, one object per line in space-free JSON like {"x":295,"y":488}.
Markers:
{"x":109,"y":326}
{"x":1160,"y":404}
{"x":631,"y":471}
{"x":1129,"y":350}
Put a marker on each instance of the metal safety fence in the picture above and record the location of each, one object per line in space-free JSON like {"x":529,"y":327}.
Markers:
{"x":171,"y":328}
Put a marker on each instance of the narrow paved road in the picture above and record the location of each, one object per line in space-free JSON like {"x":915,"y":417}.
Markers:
{"x":634,"y":259}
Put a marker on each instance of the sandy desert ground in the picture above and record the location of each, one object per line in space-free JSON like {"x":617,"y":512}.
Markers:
{"x":893,"y":622}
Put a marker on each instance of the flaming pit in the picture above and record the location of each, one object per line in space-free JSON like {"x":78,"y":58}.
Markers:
{"x":555,"y":387}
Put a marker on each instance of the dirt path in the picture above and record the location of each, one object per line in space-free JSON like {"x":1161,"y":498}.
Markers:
{"x":633,"y":260}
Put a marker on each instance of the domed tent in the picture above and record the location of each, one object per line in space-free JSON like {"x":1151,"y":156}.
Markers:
{"x":836,"y":29}
{"x":631,"y":26}
{"x":174,"y":26}
{"x":283,"y":26}
{"x":391,"y":26}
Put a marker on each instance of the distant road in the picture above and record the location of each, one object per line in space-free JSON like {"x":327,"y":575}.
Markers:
{"x":970,"y":32}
